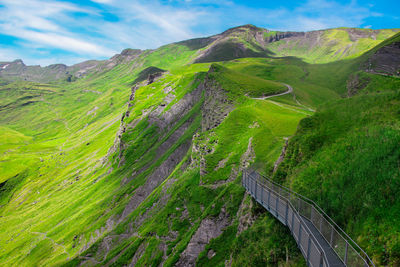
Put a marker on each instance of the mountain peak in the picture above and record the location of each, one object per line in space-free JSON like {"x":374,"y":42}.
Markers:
{"x":250,"y":27}
{"x":18,"y":61}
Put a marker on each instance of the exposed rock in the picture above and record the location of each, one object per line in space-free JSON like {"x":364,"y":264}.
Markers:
{"x":224,"y":46}
{"x":232,"y":176}
{"x":282,"y":35}
{"x":18,"y":70}
{"x":156,"y":206}
{"x":209,"y":228}
{"x":92,"y":111}
{"x":166,"y":120}
{"x":152,"y":77}
{"x":126,"y":55}
{"x":211,"y":253}
{"x":354,"y":84}
{"x":221,"y":164}
{"x":108,"y":242}
{"x":385,"y":61}
{"x":254,"y":125}
{"x":155,"y":179}
{"x":245,"y":216}
{"x":138,"y":254}
{"x":133,"y":91}
{"x":168,"y":89}
{"x":118,"y":145}
{"x":248,"y":156}
{"x":149,"y":74}
{"x":216,"y":105}
{"x":91,"y":91}
{"x":282,"y":155}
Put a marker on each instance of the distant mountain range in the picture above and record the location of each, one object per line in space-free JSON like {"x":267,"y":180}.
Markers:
{"x":137,"y":160}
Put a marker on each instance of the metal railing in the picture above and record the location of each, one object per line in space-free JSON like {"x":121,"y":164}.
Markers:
{"x":321,"y":241}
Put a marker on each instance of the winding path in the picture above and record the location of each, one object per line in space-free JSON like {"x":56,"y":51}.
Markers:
{"x":290,"y":90}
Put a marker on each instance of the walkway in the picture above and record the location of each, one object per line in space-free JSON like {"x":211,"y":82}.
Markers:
{"x":320,"y":240}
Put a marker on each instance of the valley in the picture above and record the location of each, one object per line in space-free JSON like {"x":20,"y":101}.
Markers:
{"x":138,"y":159}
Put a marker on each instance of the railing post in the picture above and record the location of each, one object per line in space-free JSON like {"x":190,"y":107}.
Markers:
{"x":345,"y":253}
{"x":292,"y":220}
{"x":299,"y":239}
{"x":321,"y":259}
{"x":251,"y":184}
{"x":262,"y":196}
{"x":298,"y":208}
{"x":311,"y":214}
{"x":269,"y":199}
{"x":255,"y":189}
{"x":308,"y":248}
{"x":277,"y":206}
{"x":247,"y":181}
{"x":320,"y":224}
{"x":287,"y":211}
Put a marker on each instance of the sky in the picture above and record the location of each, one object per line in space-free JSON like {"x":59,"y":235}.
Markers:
{"x":43,"y":32}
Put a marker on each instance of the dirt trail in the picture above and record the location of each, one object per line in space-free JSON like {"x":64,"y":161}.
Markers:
{"x":289,"y":91}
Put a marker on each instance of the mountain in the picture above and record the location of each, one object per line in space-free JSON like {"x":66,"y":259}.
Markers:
{"x":137,"y":160}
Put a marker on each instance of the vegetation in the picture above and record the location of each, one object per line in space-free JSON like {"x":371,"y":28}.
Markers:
{"x":332,"y":45}
{"x":114,"y":168}
{"x":349,"y":150}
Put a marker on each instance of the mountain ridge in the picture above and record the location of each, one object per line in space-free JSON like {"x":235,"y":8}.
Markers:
{"x":223,"y":47}
{"x":138,"y":159}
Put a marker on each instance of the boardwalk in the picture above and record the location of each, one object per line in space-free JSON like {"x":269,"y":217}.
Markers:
{"x":320,"y":240}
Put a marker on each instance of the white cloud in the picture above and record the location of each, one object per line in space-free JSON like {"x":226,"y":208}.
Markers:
{"x":37,"y":21}
{"x":102,"y":1}
{"x":64,"y":42}
{"x":50,"y":24}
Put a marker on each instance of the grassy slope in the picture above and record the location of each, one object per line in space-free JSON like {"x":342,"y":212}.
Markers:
{"x":334,"y":44}
{"x":230,"y":138}
{"x":63,"y":137}
{"x":63,"y":194}
{"x":278,"y":121}
{"x":349,"y":150}
{"x":244,"y":84}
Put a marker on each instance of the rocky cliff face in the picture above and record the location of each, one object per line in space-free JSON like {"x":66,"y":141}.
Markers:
{"x":385,"y":60}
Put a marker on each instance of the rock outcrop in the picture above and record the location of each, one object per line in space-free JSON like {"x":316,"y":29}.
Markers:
{"x":209,"y":228}
{"x":385,"y":60}
{"x":216,"y":106}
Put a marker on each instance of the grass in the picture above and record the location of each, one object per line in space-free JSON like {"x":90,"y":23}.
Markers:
{"x":333,"y":45}
{"x":58,"y":193}
{"x":349,"y":151}
{"x":266,"y":232}
{"x":239,"y":83}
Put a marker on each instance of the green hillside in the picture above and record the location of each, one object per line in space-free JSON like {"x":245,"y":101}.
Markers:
{"x":349,"y":150}
{"x":331,"y":45}
{"x":138,"y":160}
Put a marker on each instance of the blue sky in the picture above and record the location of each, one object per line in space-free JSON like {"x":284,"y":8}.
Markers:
{"x":48,"y":31}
